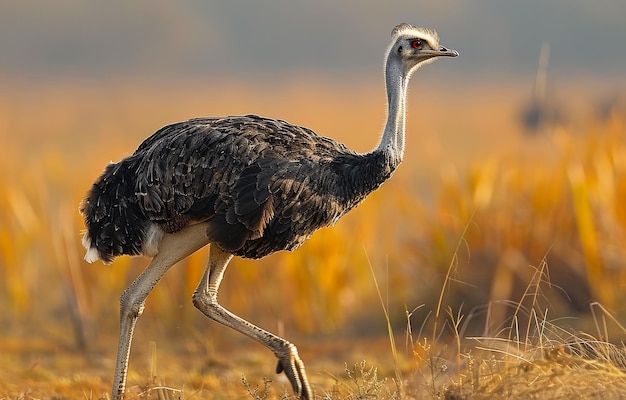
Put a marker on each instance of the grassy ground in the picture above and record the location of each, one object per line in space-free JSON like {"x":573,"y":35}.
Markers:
{"x":498,"y":256}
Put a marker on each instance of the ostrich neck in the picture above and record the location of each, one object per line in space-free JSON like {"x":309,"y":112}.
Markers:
{"x":392,"y":140}
{"x":364,"y":173}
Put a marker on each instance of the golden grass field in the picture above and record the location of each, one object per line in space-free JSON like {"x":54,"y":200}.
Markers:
{"x":499,"y":256}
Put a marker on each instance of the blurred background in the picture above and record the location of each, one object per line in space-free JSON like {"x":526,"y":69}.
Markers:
{"x":279,"y":39}
{"x":513,"y":182}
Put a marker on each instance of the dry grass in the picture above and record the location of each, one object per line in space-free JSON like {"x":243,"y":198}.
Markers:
{"x":456,"y":270}
{"x":540,"y":360}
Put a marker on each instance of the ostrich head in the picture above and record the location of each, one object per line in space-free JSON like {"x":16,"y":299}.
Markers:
{"x":413,"y":47}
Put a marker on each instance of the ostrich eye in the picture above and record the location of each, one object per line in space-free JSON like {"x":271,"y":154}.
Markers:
{"x":416,"y":44}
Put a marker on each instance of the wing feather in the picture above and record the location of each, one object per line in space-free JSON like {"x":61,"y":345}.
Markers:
{"x":244,"y":175}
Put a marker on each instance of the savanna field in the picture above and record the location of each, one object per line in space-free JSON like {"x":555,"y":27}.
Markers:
{"x":492,"y":265}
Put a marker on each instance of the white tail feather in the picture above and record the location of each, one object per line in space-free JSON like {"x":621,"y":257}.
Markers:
{"x":92,"y":253}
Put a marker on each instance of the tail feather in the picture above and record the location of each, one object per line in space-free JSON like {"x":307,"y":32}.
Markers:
{"x":92,"y":253}
{"x":114,"y":221}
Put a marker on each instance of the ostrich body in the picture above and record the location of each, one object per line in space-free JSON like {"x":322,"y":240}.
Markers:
{"x":249,"y":186}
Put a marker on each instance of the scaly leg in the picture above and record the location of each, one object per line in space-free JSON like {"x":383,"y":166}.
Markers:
{"x":172,"y":248}
{"x":205,"y":299}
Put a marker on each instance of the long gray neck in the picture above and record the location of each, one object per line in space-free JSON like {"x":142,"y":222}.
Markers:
{"x":364,"y":173}
{"x":392,"y":140}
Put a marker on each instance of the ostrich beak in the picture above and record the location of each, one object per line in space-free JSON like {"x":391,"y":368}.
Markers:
{"x":443,"y":52}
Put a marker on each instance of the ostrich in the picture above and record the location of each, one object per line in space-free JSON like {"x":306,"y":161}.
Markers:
{"x":249,"y":186}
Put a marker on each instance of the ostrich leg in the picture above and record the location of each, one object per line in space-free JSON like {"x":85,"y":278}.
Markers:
{"x":172,"y":248}
{"x":205,"y":299}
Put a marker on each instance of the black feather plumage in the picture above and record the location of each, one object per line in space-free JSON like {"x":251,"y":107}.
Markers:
{"x":263,"y":185}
